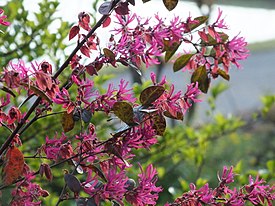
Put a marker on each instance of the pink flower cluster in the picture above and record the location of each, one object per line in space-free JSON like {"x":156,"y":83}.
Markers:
{"x":256,"y":192}
{"x":136,"y":40}
{"x":28,"y":192}
{"x":119,"y":186}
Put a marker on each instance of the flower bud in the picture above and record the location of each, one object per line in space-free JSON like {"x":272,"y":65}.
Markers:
{"x":48,"y":172}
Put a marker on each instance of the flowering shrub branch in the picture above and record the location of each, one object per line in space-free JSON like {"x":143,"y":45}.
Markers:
{"x":256,"y":192}
{"x":103,"y":163}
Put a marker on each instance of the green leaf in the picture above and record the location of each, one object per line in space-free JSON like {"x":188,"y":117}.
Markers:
{"x":200,"y":76}
{"x":170,"y":4}
{"x":218,"y":89}
{"x":159,"y":124}
{"x":238,"y":167}
{"x":150,"y":94}
{"x":181,"y":62}
{"x":223,"y":74}
{"x":271,"y":166}
{"x":200,"y":19}
{"x":124,"y":111}
{"x":171,"y":50}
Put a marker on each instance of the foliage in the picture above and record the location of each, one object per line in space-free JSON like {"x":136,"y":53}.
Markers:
{"x":32,"y":37}
{"x":96,"y":155}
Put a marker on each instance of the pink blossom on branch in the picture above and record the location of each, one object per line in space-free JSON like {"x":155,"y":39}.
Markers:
{"x":256,"y":192}
{"x":2,"y":18}
{"x":146,"y":192}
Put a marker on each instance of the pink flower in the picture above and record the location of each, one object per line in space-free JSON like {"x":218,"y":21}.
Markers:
{"x":142,"y":136}
{"x":219,"y":21}
{"x":227,"y":176}
{"x":123,"y":22}
{"x":237,"y":50}
{"x":85,"y":91}
{"x":4,"y":101}
{"x":28,"y":193}
{"x":63,"y":97}
{"x":2,"y":18}
{"x":146,"y":193}
{"x":58,"y":148}
{"x":114,"y":187}
{"x":123,"y":93}
{"x":176,"y":103}
{"x":154,"y":79}
{"x":258,"y":192}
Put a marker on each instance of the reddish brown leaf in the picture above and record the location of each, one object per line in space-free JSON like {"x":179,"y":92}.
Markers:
{"x":43,"y":80}
{"x":13,"y":165}
{"x":98,"y":66}
{"x":67,"y":121}
{"x":122,"y":9}
{"x":108,"y":53}
{"x":73,"y":32}
{"x":132,"y":2}
{"x":90,"y":68}
{"x":124,"y":111}
{"x":170,"y":4}
{"x":200,"y":20}
{"x":85,"y":50}
{"x":159,"y":124}
{"x":150,"y":94}
{"x":106,"y":22}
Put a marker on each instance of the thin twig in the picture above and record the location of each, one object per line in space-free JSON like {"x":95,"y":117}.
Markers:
{"x":34,"y":119}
